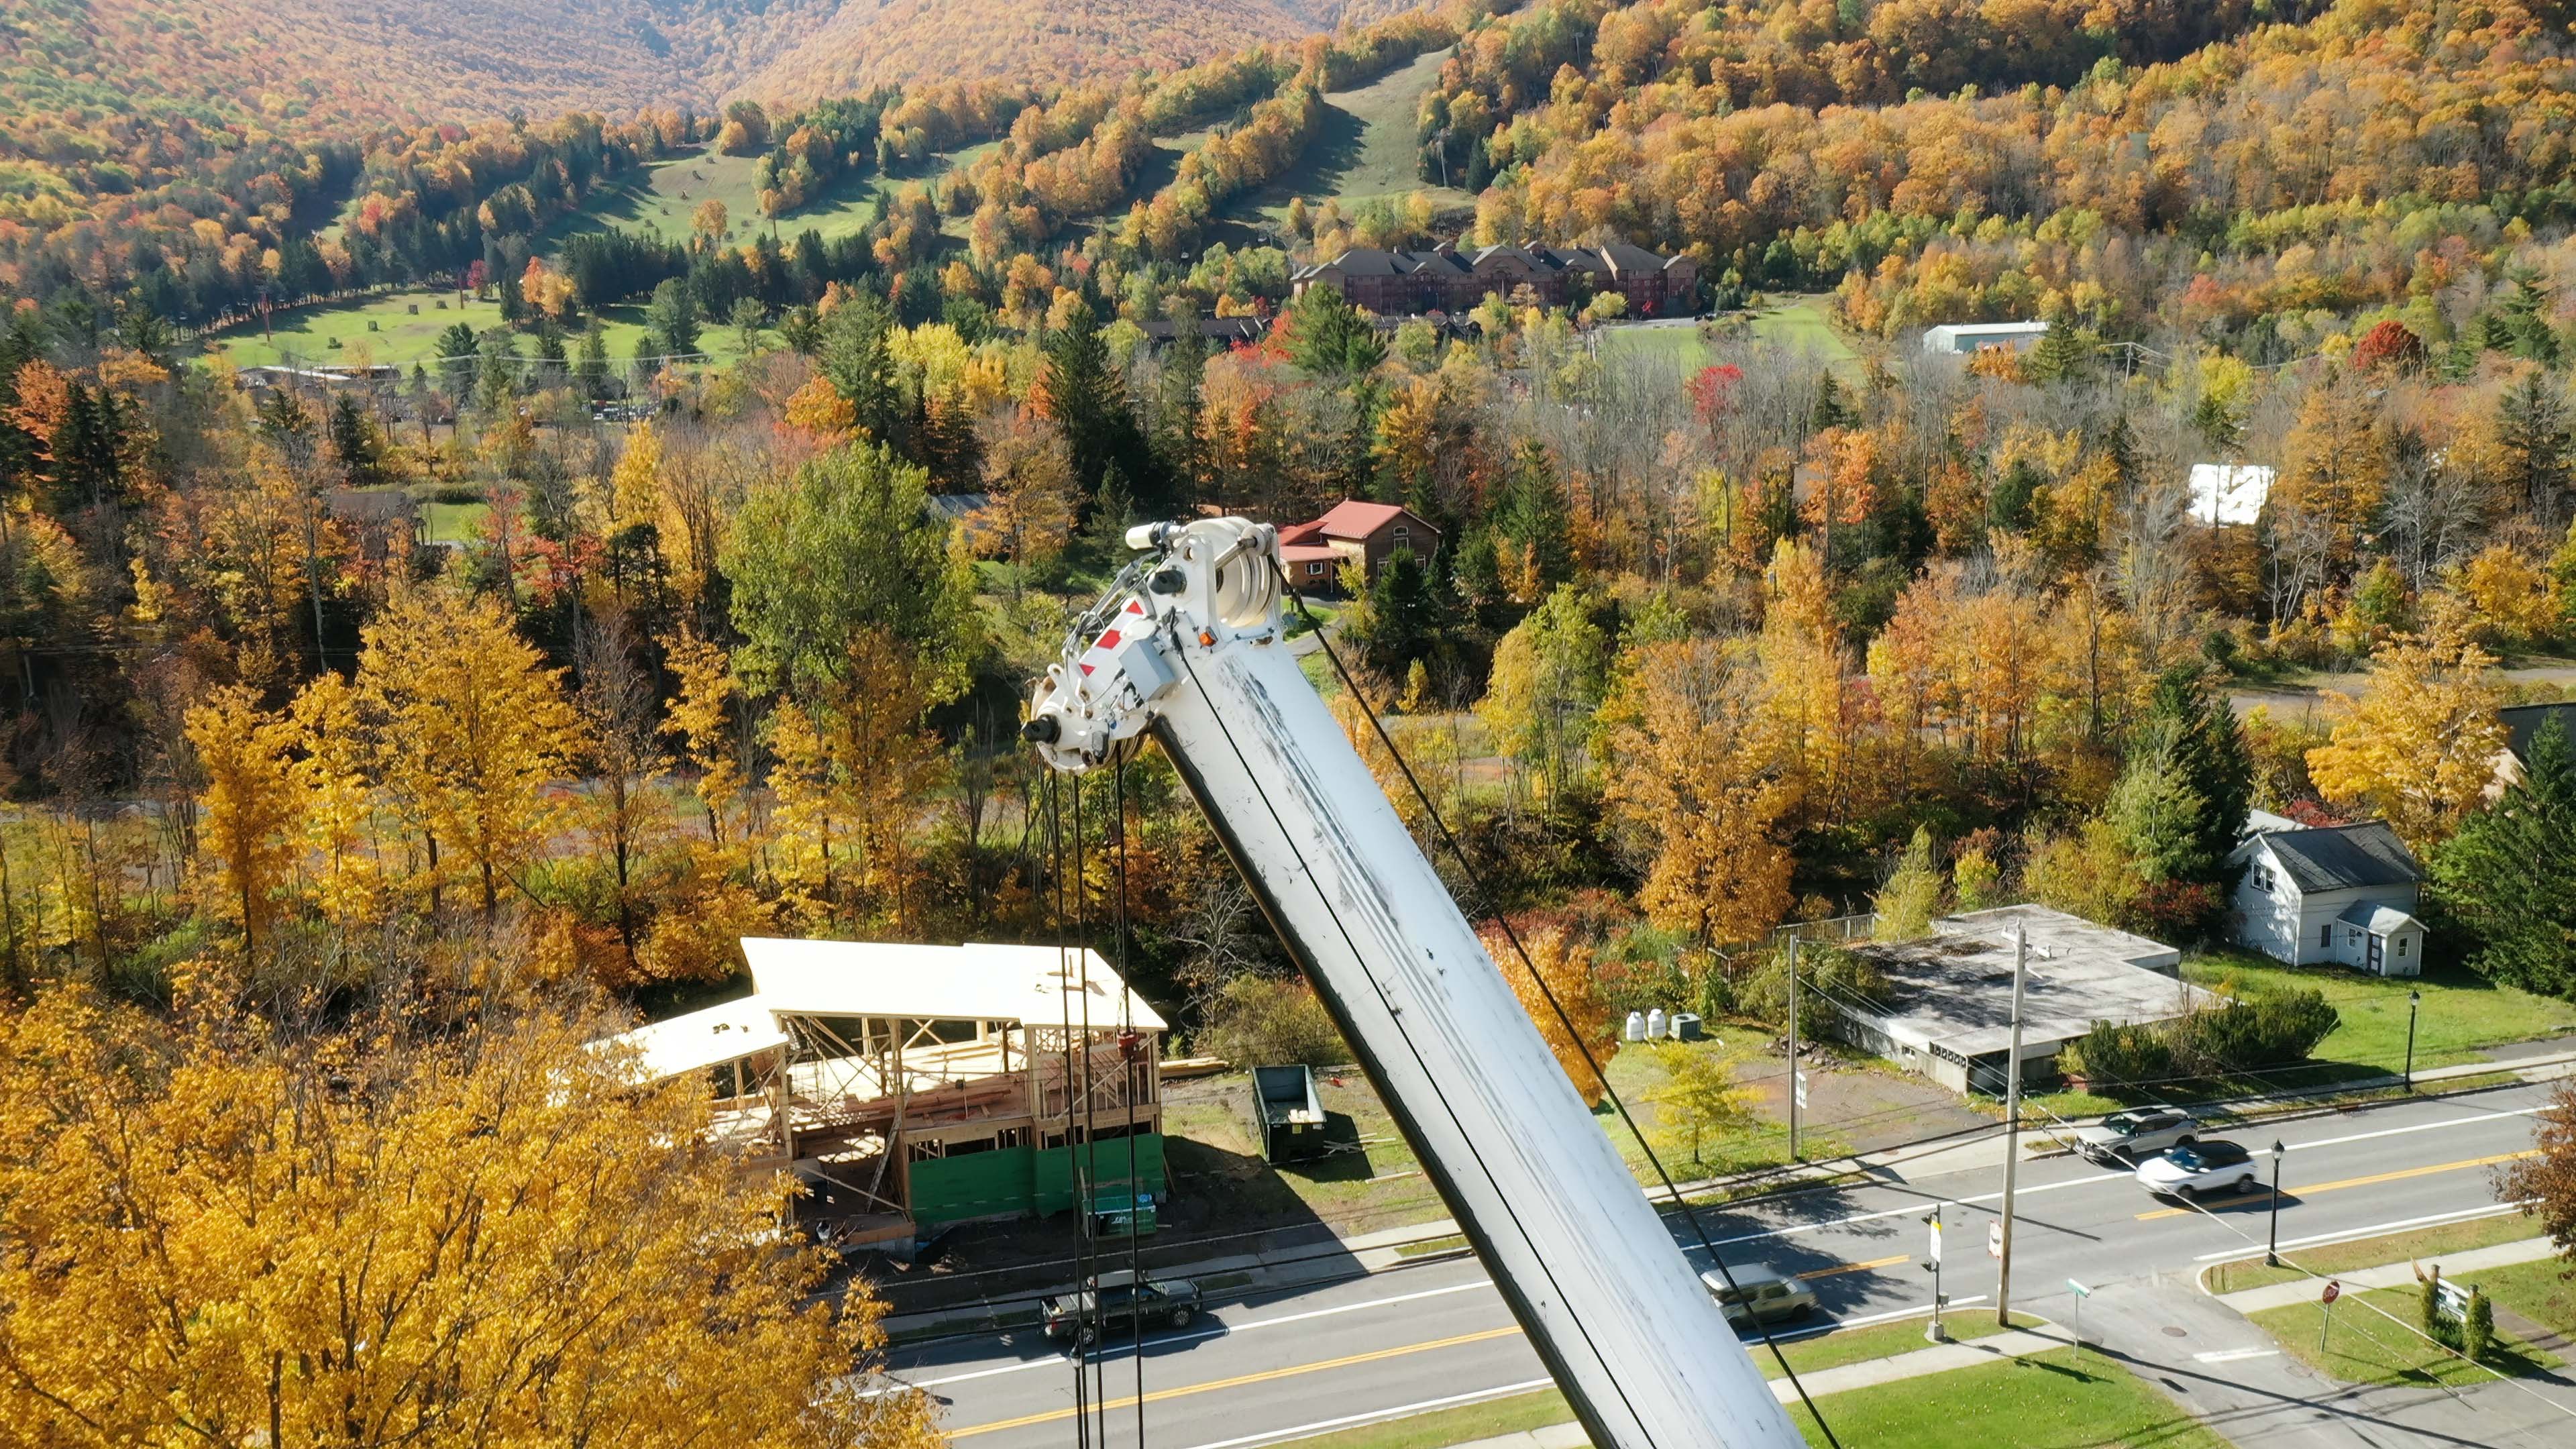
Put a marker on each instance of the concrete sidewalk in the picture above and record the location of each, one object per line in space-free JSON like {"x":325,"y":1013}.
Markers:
{"x":2392,"y":1275}
{"x":1914,"y":1365}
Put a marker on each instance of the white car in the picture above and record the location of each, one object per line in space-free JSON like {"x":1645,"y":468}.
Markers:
{"x":2207,"y":1166}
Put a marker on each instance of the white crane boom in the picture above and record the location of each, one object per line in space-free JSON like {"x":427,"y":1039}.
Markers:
{"x":1199,"y":657}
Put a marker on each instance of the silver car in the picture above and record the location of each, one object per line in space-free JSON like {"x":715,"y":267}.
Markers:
{"x":1760,"y":1293}
{"x":2137,"y":1134}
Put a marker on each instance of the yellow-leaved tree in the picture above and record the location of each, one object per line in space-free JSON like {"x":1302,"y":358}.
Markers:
{"x":250,"y":805}
{"x":470,"y":729}
{"x":702,"y":715}
{"x":2418,"y":748}
{"x":379,"y":1237}
{"x":1701,"y":783}
{"x":1566,"y":967}
{"x":339,"y":807}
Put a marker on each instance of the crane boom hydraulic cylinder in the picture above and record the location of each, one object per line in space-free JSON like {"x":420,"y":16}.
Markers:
{"x":1189,"y":646}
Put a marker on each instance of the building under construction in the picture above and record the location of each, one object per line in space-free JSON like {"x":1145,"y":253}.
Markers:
{"x":914,"y":1086}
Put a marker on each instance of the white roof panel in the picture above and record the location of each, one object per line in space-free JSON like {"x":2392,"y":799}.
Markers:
{"x":2229,"y":492}
{"x":976,"y":981}
{"x":701,"y":1039}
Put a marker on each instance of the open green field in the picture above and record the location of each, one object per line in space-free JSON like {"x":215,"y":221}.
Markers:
{"x":2537,"y":1291}
{"x":403,"y":336}
{"x":1365,"y":153}
{"x":2046,"y":1401}
{"x":1799,"y":323}
{"x":666,"y":197}
{"x":2363,"y":1347}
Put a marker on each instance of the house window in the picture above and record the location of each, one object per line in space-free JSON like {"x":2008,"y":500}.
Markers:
{"x":2325,"y":936}
{"x":1402,"y":533}
{"x":2402,"y":943}
{"x":1314,"y":570}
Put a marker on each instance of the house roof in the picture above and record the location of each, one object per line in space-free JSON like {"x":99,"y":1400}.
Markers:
{"x":1301,"y":553}
{"x":1299,"y":533}
{"x":1626,"y":258}
{"x":973,"y":982}
{"x":1951,"y":992}
{"x":1352,"y":518}
{"x":2376,"y":919}
{"x":701,"y":1039}
{"x":2522,"y":724}
{"x":2229,"y":492}
{"x":2344,"y":857}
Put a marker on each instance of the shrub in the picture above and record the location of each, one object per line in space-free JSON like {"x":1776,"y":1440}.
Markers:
{"x":2116,"y":1055}
{"x":1270,"y":1020}
{"x":2477,"y":1330}
{"x":1825,"y":973}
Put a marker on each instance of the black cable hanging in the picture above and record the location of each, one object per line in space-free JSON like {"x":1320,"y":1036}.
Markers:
{"x":1086,"y":1176}
{"x":1134,"y":1077}
{"x":1064,"y":1008}
{"x":1476,"y":882}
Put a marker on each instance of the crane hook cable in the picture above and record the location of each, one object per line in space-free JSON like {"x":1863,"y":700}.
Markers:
{"x":1064,"y":978}
{"x":1476,"y":882}
{"x":1127,"y":1029}
{"x":1402,"y":1033}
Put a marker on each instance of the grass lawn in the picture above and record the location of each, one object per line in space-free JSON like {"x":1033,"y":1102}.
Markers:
{"x":2534,"y":1290}
{"x":2332,"y":1258}
{"x":2364,"y":1348}
{"x":405,"y":336}
{"x":1879,"y":1340}
{"x":1638,"y":1073}
{"x":1366,"y":151}
{"x":1374,"y":1182}
{"x":2462,"y":1013}
{"x":2045,"y":1401}
{"x":666,"y":195}
{"x":1797,"y":322}
{"x":453,"y":522}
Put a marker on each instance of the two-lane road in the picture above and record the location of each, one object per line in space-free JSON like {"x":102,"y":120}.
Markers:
{"x":1275,"y":1366}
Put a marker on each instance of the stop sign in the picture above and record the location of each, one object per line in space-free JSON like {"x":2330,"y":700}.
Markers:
{"x":2334,"y":1290}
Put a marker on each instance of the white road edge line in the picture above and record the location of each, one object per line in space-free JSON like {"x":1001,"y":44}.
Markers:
{"x":1220,"y":1331}
{"x":2464,"y":1215}
{"x":2234,"y":1355}
{"x":1374,"y":1416}
{"x":2419,"y":1127}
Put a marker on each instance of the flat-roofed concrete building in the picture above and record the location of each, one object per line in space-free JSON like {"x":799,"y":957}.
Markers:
{"x":1947,"y":1010}
{"x":1958,"y":339}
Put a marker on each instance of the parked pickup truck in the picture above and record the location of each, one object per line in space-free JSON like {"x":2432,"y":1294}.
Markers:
{"x":1114,"y":1302}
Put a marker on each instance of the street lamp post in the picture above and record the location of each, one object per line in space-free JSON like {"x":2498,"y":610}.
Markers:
{"x":2414,"y":999}
{"x":2272,"y":1250}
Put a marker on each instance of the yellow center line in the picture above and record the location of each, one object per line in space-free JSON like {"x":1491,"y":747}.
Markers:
{"x":2313,"y":1189}
{"x":1054,"y":1415}
{"x":1860,"y":1267}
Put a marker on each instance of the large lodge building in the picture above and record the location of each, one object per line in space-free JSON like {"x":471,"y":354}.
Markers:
{"x":1444,"y":279}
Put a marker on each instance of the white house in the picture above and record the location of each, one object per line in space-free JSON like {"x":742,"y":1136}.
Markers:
{"x":2344,"y":895}
{"x":1959,"y":339}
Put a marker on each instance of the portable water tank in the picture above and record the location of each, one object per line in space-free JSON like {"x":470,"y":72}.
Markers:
{"x":1636,"y":1027}
{"x":1655,"y":1024}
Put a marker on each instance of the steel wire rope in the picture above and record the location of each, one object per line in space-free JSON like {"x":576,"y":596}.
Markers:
{"x":1086,"y":1175}
{"x":1475,"y":881}
{"x":1064,"y":1008}
{"x":1126,"y":1031}
{"x":1395,"y":1018}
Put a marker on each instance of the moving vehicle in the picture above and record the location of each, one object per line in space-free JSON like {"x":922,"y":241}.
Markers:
{"x":1761,"y":1293}
{"x":2136,"y":1134}
{"x":2187,"y":1172}
{"x":1115,"y":1301}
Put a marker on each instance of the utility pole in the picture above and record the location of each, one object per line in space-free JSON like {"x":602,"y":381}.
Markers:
{"x":2012,"y":1129}
{"x":1794,"y":1082}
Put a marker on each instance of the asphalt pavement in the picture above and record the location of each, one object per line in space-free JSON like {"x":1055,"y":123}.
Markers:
{"x":1270,"y":1367}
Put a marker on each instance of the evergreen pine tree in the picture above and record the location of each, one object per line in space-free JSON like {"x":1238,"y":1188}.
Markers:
{"x":2509,"y":876}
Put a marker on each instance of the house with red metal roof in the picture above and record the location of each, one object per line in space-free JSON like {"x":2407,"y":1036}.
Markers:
{"x":1367,"y":534}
